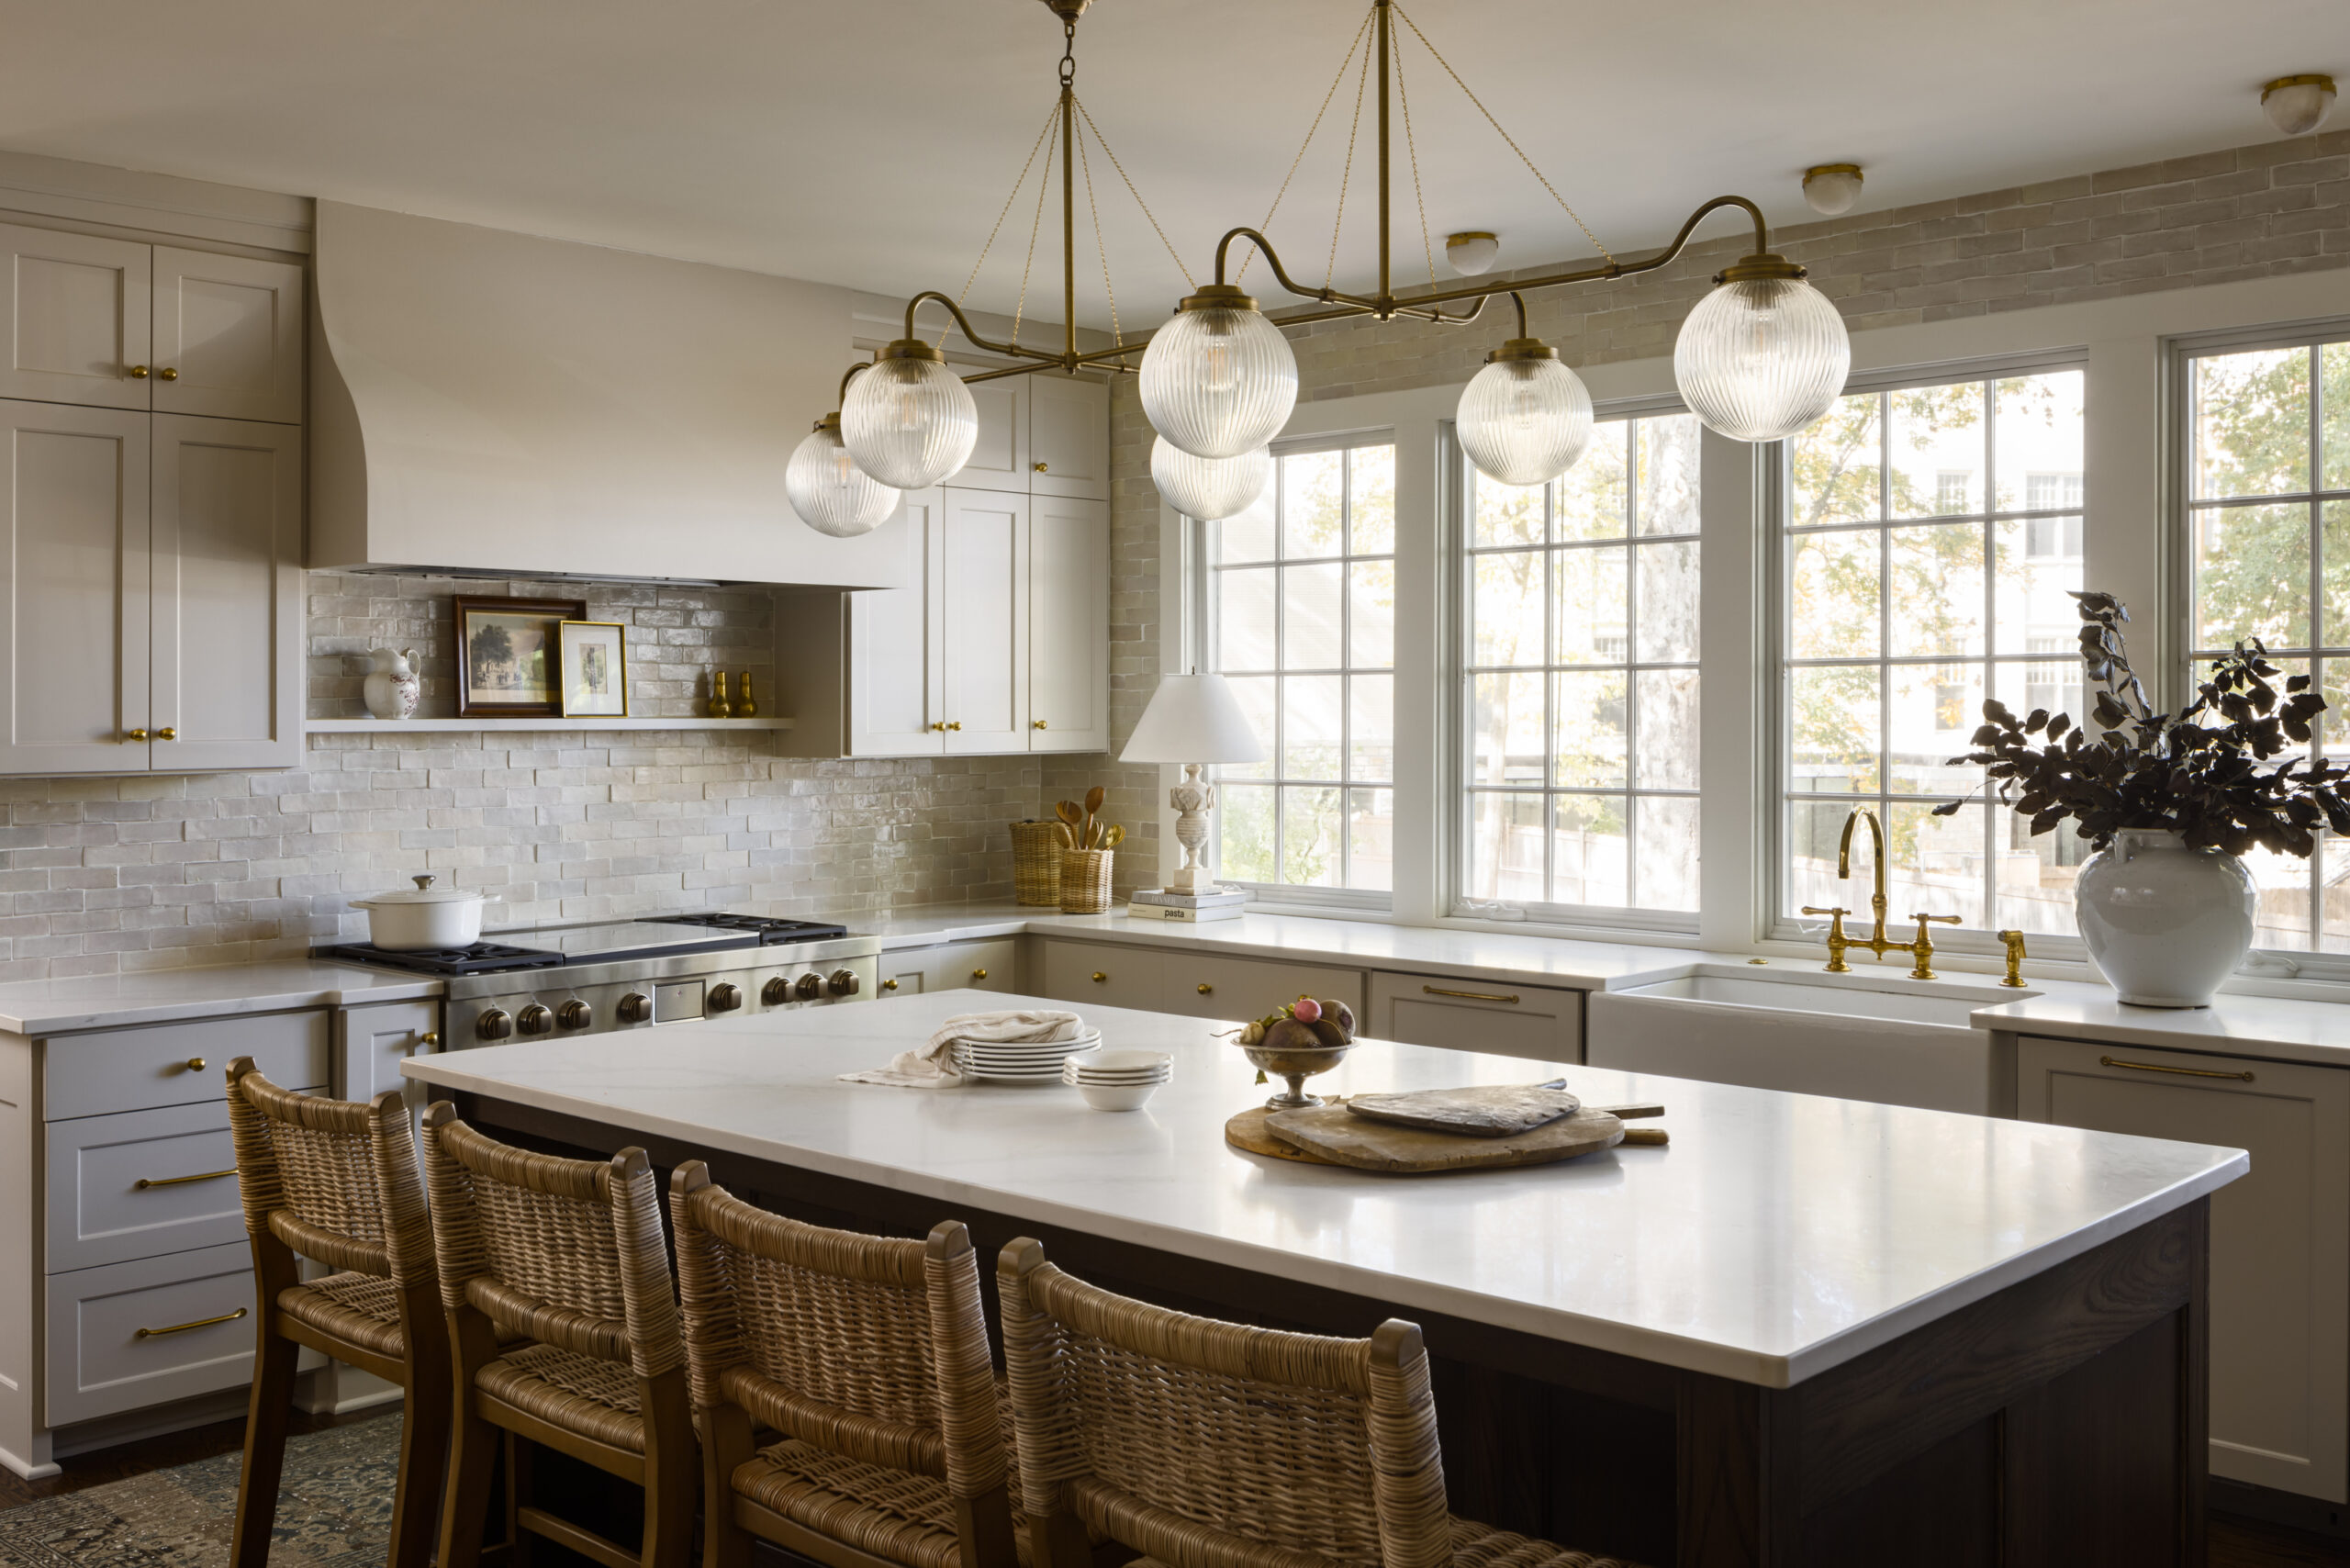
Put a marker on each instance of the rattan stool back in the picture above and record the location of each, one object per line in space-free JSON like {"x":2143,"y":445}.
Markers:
{"x":569,"y":1254}
{"x":336,"y":1181}
{"x":861,"y":1351}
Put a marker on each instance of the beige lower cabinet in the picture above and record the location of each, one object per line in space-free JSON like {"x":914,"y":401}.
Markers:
{"x":1089,"y":971}
{"x":1211,"y":985}
{"x":1458,"y":1015}
{"x":2280,"y":1237}
{"x":991,"y":964}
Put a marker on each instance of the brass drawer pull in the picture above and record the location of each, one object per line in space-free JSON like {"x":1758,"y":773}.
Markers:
{"x":2182,"y":1071}
{"x":1041,"y":468}
{"x":168,"y":373}
{"x":1468,"y":995}
{"x":978,"y":974}
{"x":1099,"y":977}
{"x":184,"y":1328}
{"x":146,"y":1182}
{"x":1206,"y":989}
{"x":137,"y":373}
{"x":890,"y":985}
{"x":195,"y":1064}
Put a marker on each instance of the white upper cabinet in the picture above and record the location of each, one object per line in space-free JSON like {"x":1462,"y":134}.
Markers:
{"x":985,"y":622}
{"x":1068,"y":629}
{"x":896,"y":652}
{"x":227,"y":594}
{"x":1069,"y":437}
{"x":228,"y":337}
{"x":76,"y":326}
{"x":1000,"y":459}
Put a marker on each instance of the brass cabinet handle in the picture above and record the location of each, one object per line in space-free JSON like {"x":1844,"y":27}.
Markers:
{"x":1038,"y":724}
{"x":978,"y":974}
{"x":888,"y":985}
{"x":1468,"y":995}
{"x":1206,"y":989}
{"x":134,"y":734}
{"x":955,"y":725}
{"x":167,"y":733}
{"x":937,"y":725}
{"x":1099,"y":977}
{"x":429,"y":1039}
{"x":195,"y":1064}
{"x":1040,"y":468}
{"x":168,"y":373}
{"x":2182,"y":1071}
{"x":137,"y":373}
{"x":184,"y":1328}
{"x":146,"y":1182}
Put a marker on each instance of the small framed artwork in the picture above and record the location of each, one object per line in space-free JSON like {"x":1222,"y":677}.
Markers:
{"x":594,"y":660}
{"x":506,"y":651}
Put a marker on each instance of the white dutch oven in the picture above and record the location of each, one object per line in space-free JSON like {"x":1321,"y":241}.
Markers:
{"x":423,"y":916}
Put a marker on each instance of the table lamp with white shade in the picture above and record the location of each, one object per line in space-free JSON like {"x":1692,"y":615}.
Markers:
{"x":1194,"y":719}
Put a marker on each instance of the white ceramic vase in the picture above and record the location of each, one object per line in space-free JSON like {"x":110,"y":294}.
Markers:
{"x":2165,"y":924}
{"x":391,"y":687}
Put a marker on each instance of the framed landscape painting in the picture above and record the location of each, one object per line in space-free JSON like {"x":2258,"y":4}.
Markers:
{"x":594,"y":660}
{"x":507,"y":655}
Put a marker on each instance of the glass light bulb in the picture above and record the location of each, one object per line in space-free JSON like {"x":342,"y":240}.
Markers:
{"x":1219,"y":380}
{"x":1523,"y":421}
{"x":1761,"y":357}
{"x":1209,"y":488}
{"x":910,"y":421}
{"x":830,"y":492}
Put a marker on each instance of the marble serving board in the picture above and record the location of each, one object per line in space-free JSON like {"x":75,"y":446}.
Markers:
{"x":1497,"y":1110}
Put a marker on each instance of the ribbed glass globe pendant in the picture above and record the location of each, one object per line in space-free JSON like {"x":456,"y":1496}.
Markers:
{"x":909,"y":422}
{"x":828,"y":491}
{"x":1218,"y":380}
{"x":1208,"y":488}
{"x":1763,"y":354}
{"x":1525,"y":418}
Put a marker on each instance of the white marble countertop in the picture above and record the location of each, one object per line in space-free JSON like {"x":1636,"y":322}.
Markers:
{"x":2274,"y":1028}
{"x":156,"y":996}
{"x":1778,"y":1235}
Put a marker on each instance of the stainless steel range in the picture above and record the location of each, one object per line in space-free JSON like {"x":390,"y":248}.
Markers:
{"x":636,"y":974}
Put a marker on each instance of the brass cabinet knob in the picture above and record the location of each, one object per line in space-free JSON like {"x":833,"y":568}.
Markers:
{"x":195,"y":1064}
{"x":429,"y":1039}
{"x":955,"y":725}
{"x":978,"y":974}
{"x":888,"y":985}
{"x":167,"y":733}
{"x":137,"y":373}
{"x":167,"y":373}
{"x":936,"y":724}
{"x":1040,"y":468}
{"x":1206,"y":989}
{"x":1038,"y":724}
{"x":1099,"y":977}
{"x":134,"y":734}
{"x":574,"y":1015}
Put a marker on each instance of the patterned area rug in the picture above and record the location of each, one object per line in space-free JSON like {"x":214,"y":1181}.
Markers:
{"x":335,"y":1507}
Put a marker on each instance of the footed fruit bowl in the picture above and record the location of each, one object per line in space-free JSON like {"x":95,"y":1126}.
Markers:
{"x":1302,"y":1040}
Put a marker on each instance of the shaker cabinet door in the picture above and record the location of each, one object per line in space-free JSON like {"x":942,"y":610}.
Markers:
{"x":1069,"y":625}
{"x":998,"y":460}
{"x":896,"y":657}
{"x":985,"y":620}
{"x":227,"y":594}
{"x":73,"y":590}
{"x":228,"y":337}
{"x":77,"y":325}
{"x":1069,"y":436}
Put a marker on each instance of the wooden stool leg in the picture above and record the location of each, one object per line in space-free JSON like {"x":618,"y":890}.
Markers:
{"x":424,"y":1461}
{"x":670,"y":1471}
{"x":473,"y":1443}
{"x":520,"y":1542}
{"x":266,"y":1418}
{"x":727,"y":1445}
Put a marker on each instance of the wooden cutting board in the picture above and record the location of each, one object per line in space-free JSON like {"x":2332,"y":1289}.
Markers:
{"x":1490,"y":1111}
{"x":1334,"y":1134}
{"x":1246,"y":1131}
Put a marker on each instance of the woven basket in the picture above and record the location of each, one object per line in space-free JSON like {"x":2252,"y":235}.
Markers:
{"x":1085,"y":881}
{"x":1036,"y":863}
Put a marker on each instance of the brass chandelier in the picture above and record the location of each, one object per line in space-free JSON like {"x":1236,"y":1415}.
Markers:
{"x":1761,"y":356}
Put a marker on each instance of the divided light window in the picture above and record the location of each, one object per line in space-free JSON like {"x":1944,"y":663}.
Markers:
{"x":1581,"y":682}
{"x":1930,"y":536}
{"x":2269,"y":540}
{"x":1301,"y":602}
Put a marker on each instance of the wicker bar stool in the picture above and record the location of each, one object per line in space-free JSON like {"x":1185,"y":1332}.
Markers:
{"x":336,"y":1181}
{"x":868,"y":1356}
{"x":568,"y":1254}
{"x":1214,"y":1445}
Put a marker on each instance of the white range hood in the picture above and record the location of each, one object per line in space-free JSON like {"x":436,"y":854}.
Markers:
{"x":493,"y":403}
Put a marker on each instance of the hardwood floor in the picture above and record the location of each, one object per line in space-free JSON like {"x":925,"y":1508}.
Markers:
{"x":2235,"y":1543}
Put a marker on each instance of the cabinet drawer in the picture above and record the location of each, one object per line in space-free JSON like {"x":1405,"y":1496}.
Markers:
{"x":98,"y":1363}
{"x":1477,"y":1015}
{"x":99,"y":1213}
{"x":989,"y":965}
{"x":1081,"y":972}
{"x":1211,"y":985}
{"x":137,"y":1069}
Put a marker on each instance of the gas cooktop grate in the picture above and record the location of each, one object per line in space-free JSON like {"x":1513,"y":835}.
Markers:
{"x":481,"y":958}
{"x":771,"y":931}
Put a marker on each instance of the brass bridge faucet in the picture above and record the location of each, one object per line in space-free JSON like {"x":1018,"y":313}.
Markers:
{"x":1876,"y":942}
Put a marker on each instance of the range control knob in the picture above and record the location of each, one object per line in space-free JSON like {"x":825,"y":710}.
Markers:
{"x":843,"y":983}
{"x":536,"y":1019}
{"x":775,"y":993}
{"x":808,"y":988}
{"x":494,"y":1024}
{"x":574,"y":1015}
{"x":636,"y":1008}
{"x":725,"y":998}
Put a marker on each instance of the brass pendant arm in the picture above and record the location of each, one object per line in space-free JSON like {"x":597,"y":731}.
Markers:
{"x":848,"y":375}
{"x":1017,"y":351}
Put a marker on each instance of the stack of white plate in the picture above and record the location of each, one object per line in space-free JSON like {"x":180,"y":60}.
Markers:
{"x":1118,"y":1081}
{"x":1021,"y":1062}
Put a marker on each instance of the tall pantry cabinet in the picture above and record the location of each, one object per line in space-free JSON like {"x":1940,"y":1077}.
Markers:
{"x":150,"y":508}
{"x":999,"y":641}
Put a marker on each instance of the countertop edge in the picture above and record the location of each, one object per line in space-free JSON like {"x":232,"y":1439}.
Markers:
{"x":67,"y":1022}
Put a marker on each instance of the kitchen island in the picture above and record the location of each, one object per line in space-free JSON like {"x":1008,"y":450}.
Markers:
{"x":1809,"y":1330}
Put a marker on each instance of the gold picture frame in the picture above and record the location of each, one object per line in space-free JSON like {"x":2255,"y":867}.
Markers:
{"x":592,"y":664}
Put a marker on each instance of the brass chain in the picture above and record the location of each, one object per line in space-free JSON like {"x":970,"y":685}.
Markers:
{"x":1248,"y":260}
{"x":1404,"y":99}
{"x":1005,"y":211}
{"x":1101,"y":245}
{"x":1112,"y":153}
{"x":1345,"y":177}
{"x":1513,"y":147}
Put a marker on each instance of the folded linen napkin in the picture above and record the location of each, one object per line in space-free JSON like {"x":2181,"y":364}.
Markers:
{"x":932,"y":1067}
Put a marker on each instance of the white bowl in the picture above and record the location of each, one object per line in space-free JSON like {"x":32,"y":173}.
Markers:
{"x":1123,"y":1062}
{"x":1117,"y":1096}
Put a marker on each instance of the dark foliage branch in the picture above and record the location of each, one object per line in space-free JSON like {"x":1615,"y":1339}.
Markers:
{"x":2206,"y":771}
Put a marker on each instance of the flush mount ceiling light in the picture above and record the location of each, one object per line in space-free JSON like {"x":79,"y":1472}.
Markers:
{"x":827,"y":488}
{"x":1471,"y":252}
{"x":1525,"y":418}
{"x":1831,"y":188}
{"x":1209,"y":488}
{"x":2298,"y":105}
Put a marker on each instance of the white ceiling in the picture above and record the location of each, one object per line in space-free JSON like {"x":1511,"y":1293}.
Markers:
{"x":871,"y":142}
